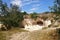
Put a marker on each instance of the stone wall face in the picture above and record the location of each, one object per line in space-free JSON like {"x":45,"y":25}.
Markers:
{"x":37,"y":24}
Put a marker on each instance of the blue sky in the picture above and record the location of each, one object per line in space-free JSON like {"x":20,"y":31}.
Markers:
{"x":31,"y":5}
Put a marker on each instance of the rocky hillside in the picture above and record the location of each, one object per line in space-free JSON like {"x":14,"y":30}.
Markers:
{"x":50,"y":33}
{"x":55,"y":18}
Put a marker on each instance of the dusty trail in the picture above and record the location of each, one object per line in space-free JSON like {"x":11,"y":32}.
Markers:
{"x":35,"y":35}
{"x":19,"y":36}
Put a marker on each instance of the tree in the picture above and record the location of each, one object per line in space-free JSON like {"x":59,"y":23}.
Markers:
{"x":58,"y":2}
{"x":14,"y":17}
{"x":33,"y":15}
{"x":1,"y":3}
{"x":24,"y":13}
{"x":56,"y":7}
{"x":3,"y":8}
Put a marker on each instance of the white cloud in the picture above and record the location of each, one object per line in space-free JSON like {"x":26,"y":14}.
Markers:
{"x":26,"y":0}
{"x":33,"y":9}
{"x":22,"y":11}
{"x":23,"y":2}
{"x":30,"y":0}
{"x":30,"y":12}
{"x":17,"y":2}
{"x":27,"y":3}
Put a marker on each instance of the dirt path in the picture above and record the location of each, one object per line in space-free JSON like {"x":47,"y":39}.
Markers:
{"x":35,"y":35}
{"x":20,"y":36}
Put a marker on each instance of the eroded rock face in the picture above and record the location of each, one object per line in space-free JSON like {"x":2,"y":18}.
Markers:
{"x":28,"y":24}
{"x":47,"y":23}
{"x":33,"y":27}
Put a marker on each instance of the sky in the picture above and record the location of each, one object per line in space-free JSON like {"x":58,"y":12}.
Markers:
{"x":30,"y":6}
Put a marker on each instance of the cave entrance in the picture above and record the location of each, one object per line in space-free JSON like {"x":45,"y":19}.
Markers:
{"x":39,"y":22}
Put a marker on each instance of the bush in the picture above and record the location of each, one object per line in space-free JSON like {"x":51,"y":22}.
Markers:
{"x":58,"y":30}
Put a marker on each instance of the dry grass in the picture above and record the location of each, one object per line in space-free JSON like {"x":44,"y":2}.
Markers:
{"x":48,"y":34}
{"x":45,"y":34}
{"x":5,"y":34}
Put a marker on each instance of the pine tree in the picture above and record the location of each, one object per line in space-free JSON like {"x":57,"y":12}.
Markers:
{"x":56,"y":7}
{"x":1,"y":7}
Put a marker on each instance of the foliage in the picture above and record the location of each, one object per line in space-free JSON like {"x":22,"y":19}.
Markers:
{"x":24,"y":13}
{"x":56,"y":7}
{"x":34,"y":15}
{"x":11,"y":16}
